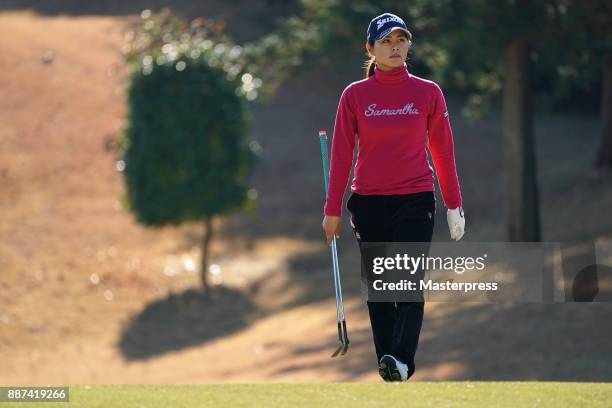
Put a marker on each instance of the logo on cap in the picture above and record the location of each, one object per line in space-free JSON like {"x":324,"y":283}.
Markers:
{"x":384,"y":21}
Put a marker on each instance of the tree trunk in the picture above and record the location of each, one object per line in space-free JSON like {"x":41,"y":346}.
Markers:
{"x":604,"y":155}
{"x":208,"y":232}
{"x":522,"y":203}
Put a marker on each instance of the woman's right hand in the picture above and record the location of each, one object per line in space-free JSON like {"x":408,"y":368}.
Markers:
{"x":331,"y":226}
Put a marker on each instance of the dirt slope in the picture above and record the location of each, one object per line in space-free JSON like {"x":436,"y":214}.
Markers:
{"x":89,"y":296}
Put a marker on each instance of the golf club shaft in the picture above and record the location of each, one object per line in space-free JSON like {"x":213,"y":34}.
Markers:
{"x":336,"y":268}
{"x":337,"y":279}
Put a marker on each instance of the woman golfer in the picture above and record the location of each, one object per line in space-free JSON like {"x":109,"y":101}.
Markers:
{"x":394,"y":116}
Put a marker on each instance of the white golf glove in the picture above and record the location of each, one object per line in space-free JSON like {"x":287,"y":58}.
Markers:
{"x":456,"y":223}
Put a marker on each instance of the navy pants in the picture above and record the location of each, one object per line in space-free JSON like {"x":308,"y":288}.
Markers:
{"x":394,"y":218}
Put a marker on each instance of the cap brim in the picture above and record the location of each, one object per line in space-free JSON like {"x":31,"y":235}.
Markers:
{"x":389,"y":31}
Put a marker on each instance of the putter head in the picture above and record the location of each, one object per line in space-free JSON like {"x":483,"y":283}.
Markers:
{"x":343,"y":336}
{"x":342,"y":349}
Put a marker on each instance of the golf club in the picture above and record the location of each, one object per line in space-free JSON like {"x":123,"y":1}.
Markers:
{"x":342,"y":332}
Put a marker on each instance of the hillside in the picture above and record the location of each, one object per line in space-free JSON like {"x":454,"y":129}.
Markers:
{"x":89,"y":296}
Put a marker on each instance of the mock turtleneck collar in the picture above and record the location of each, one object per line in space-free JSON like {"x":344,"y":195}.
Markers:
{"x":392,"y":76}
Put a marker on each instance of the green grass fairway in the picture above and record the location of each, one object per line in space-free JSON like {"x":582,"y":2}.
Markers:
{"x":336,"y":395}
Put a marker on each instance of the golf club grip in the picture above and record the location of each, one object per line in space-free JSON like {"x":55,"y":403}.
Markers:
{"x":323,"y":142}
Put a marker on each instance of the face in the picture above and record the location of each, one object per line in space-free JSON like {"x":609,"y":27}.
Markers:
{"x":391,"y":51}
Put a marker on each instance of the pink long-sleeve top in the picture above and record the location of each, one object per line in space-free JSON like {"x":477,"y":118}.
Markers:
{"x":393,"y":116}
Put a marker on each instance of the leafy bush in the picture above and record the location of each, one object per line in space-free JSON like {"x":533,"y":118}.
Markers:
{"x":186,"y":151}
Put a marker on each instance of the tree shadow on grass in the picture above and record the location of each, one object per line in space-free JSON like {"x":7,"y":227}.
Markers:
{"x":184,"y":320}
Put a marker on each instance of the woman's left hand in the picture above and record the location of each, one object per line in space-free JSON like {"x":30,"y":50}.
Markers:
{"x":456,"y":223}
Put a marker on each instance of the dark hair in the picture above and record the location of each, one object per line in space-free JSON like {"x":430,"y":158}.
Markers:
{"x":370,"y":63}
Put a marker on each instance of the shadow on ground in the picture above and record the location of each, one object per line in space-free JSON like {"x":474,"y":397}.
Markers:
{"x":552,"y":342}
{"x":562,"y":341}
{"x":184,"y":320}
